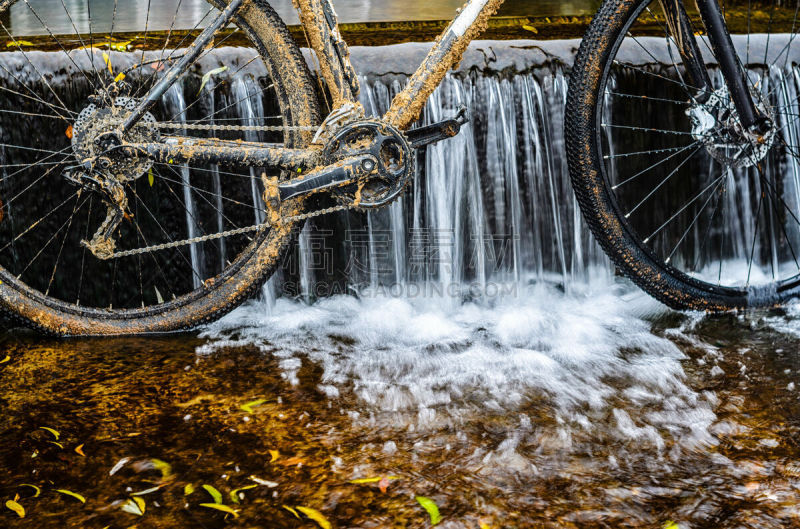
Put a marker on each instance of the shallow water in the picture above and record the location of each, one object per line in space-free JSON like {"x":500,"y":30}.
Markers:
{"x":597,"y":408}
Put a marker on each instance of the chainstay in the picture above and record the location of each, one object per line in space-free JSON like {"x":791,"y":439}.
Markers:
{"x":233,"y":128}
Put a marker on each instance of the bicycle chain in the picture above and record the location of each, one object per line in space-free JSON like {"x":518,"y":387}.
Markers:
{"x":238,"y":231}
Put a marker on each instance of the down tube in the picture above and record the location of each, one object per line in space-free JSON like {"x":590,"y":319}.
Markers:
{"x":446,"y":52}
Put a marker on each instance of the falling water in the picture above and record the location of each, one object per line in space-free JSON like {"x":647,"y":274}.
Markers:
{"x":175,"y":107}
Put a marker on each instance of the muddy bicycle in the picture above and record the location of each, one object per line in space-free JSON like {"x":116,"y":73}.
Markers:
{"x":682,"y":129}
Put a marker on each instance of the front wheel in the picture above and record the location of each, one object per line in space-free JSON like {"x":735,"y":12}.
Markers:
{"x":695,"y":210}
{"x":67,"y":75}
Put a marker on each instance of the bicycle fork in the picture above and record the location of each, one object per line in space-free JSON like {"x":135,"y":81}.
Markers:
{"x":722,"y":46}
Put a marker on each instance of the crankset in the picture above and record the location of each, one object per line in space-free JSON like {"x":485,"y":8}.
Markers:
{"x":368,"y":163}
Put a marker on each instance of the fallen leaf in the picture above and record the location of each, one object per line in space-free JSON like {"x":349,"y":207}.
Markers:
{"x":671,"y":525}
{"x":79,"y":450}
{"x":120,"y":76}
{"x":383,"y":484}
{"x":36,"y":490}
{"x":430,"y":506}
{"x":316,"y":516}
{"x":188,"y":489}
{"x":208,"y":75}
{"x":72,"y":494}
{"x":57,"y":444}
{"x":362,"y":481}
{"x":119,"y":46}
{"x":530,"y":28}
{"x":16,"y":43}
{"x":292,"y":461}
{"x":235,"y":492}
{"x":222,"y":508}
{"x":215,"y":494}
{"x":16,"y":507}
{"x":121,"y":463}
{"x":270,"y":484}
{"x":163,"y":467}
{"x":484,"y":525}
{"x":54,"y":432}
{"x":250,"y":405}
{"x":151,"y":180}
{"x":275,"y":455}
{"x":6,"y":359}
{"x":291,"y":510}
{"x":146,"y":491}
{"x":135,"y":505}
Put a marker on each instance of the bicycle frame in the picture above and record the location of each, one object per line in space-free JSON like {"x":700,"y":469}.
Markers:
{"x":319,"y":21}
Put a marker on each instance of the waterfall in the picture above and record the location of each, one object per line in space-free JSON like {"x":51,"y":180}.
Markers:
{"x":175,"y":106}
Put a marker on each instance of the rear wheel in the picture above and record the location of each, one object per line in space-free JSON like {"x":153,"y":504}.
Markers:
{"x":696,"y":212}
{"x":53,"y":104}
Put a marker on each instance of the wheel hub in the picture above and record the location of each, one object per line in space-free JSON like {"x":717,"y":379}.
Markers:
{"x":93,"y":122}
{"x":717,"y":126}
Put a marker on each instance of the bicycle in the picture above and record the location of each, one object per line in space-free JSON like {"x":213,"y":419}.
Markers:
{"x":724,"y":130}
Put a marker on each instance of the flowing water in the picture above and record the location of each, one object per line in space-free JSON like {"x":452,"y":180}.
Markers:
{"x":486,"y":357}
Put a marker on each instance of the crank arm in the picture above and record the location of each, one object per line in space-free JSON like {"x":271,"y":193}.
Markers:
{"x":182,"y":150}
{"x":342,"y":173}
{"x":437,"y":132}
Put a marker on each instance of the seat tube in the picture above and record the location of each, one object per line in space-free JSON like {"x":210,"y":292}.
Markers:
{"x":735,"y":79}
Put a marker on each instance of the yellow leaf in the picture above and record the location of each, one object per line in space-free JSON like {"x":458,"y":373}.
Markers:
{"x":36,"y":489}
{"x":150,"y":178}
{"x":135,"y":505}
{"x":79,"y":450}
{"x":215,"y":494}
{"x":250,"y":405}
{"x":163,"y":467}
{"x":291,"y":511}
{"x":485,"y":526}
{"x":188,"y":489}
{"x":119,"y":46}
{"x":671,"y":525}
{"x":430,"y":506}
{"x":222,"y":508}
{"x":275,"y":455}
{"x":235,"y":492}
{"x":530,"y":28}
{"x":18,"y":43}
{"x":120,"y":76}
{"x":6,"y":359}
{"x":208,"y":75}
{"x":266,"y":483}
{"x":54,"y":432}
{"x":72,"y":494}
{"x":107,"y":60}
{"x":57,"y":444}
{"x":371,"y":480}
{"x":316,"y":516}
{"x":16,"y":507}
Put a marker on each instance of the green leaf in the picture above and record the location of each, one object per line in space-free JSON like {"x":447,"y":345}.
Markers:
{"x":16,"y":507}
{"x":316,"y":516}
{"x":221,"y":508}
{"x":252,"y":404}
{"x":235,"y":492}
{"x":188,"y":489}
{"x":208,"y":75}
{"x":215,"y":494}
{"x":54,"y":432}
{"x":135,"y":505}
{"x":72,"y":494}
{"x":36,"y":489}
{"x":150,"y":178}
{"x":371,"y":480}
{"x":430,"y":506}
